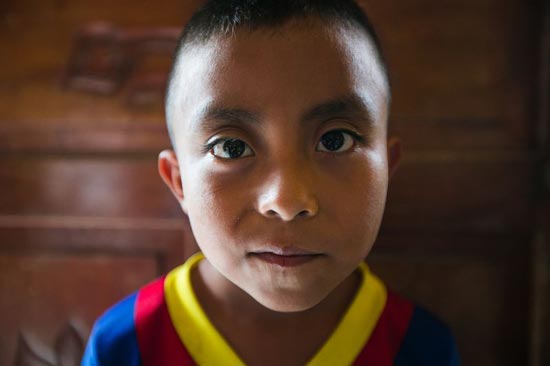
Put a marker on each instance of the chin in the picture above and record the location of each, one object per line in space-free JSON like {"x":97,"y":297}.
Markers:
{"x":288,"y":303}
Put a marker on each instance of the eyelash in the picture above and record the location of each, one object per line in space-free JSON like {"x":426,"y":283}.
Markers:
{"x":356,"y":136}
{"x":210,"y":145}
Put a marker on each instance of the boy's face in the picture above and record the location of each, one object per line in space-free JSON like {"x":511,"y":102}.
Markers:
{"x":282,"y":150}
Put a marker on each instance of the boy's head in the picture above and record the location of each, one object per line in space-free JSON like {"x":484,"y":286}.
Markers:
{"x":221,"y":19}
{"x":278,"y":114}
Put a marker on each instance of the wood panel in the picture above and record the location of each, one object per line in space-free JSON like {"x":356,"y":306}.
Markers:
{"x":159,"y":239}
{"x":480,"y":191}
{"x":85,"y":186}
{"x":47,"y":292}
{"x":483,"y":295}
{"x":540,"y":314}
{"x":57,"y":272}
{"x":438,"y":191}
{"x":39,"y":33}
{"x":463,"y":70}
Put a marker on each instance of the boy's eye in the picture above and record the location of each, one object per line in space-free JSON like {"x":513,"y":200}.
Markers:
{"x":230,"y":149}
{"x":336,"y":141}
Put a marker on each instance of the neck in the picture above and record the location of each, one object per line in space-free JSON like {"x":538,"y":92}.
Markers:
{"x":221,"y":299}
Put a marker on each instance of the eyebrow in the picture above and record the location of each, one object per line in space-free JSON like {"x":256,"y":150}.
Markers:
{"x":352,"y":105}
{"x":212,"y":115}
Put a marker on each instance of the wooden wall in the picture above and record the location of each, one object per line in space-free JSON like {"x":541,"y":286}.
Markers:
{"x":84,"y":218}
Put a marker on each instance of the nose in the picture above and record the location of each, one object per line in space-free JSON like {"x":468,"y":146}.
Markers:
{"x":288,"y":193}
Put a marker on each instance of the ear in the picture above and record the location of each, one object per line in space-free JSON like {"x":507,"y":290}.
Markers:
{"x":169,"y":171}
{"x":394,"y":154}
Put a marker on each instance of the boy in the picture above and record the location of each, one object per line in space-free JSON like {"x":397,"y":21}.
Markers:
{"x":277,"y":111}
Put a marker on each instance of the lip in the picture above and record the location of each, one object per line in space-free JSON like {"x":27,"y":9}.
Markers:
{"x":286,"y":257}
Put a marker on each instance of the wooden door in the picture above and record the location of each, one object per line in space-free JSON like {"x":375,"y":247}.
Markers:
{"x":85,"y":219}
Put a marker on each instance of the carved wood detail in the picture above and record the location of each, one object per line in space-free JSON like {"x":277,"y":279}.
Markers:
{"x":68,"y":349}
{"x":105,"y":59}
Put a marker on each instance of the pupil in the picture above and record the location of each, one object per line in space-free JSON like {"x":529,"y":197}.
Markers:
{"x":234,"y":148}
{"x":333,"y":140}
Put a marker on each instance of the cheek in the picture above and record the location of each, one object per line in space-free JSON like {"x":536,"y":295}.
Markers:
{"x":214,"y":202}
{"x":356,"y":198}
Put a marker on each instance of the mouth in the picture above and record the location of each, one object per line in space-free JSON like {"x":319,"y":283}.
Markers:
{"x":286,"y":257}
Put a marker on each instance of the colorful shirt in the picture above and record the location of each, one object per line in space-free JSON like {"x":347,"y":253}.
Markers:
{"x":163,"y":324}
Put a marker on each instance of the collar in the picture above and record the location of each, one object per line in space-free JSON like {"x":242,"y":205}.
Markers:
{"x":208,"y":347}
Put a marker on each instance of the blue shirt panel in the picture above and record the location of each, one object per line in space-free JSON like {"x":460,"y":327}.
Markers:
{"x":113,"y":341}
{"x":428,"y":342}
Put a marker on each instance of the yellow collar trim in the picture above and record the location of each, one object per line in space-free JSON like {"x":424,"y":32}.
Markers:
{"x":208,"y":347}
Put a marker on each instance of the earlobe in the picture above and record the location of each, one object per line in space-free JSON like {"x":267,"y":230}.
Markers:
{"x":394,"y":155}
{"x":169,"y":171}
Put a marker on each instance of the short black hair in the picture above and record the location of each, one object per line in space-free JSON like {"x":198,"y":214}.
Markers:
{"x":224,"y":17}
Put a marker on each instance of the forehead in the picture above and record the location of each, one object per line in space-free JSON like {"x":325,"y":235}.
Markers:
{"x":280,"y":73}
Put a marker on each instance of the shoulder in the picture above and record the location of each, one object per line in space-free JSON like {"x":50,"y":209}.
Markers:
{"x":408,"y":335}
{"x":427,"y":341}
{"x":114,"y":339}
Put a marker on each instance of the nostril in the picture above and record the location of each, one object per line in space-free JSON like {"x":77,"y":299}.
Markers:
{"x":287,"y":207}
{"x":274,"y":213}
